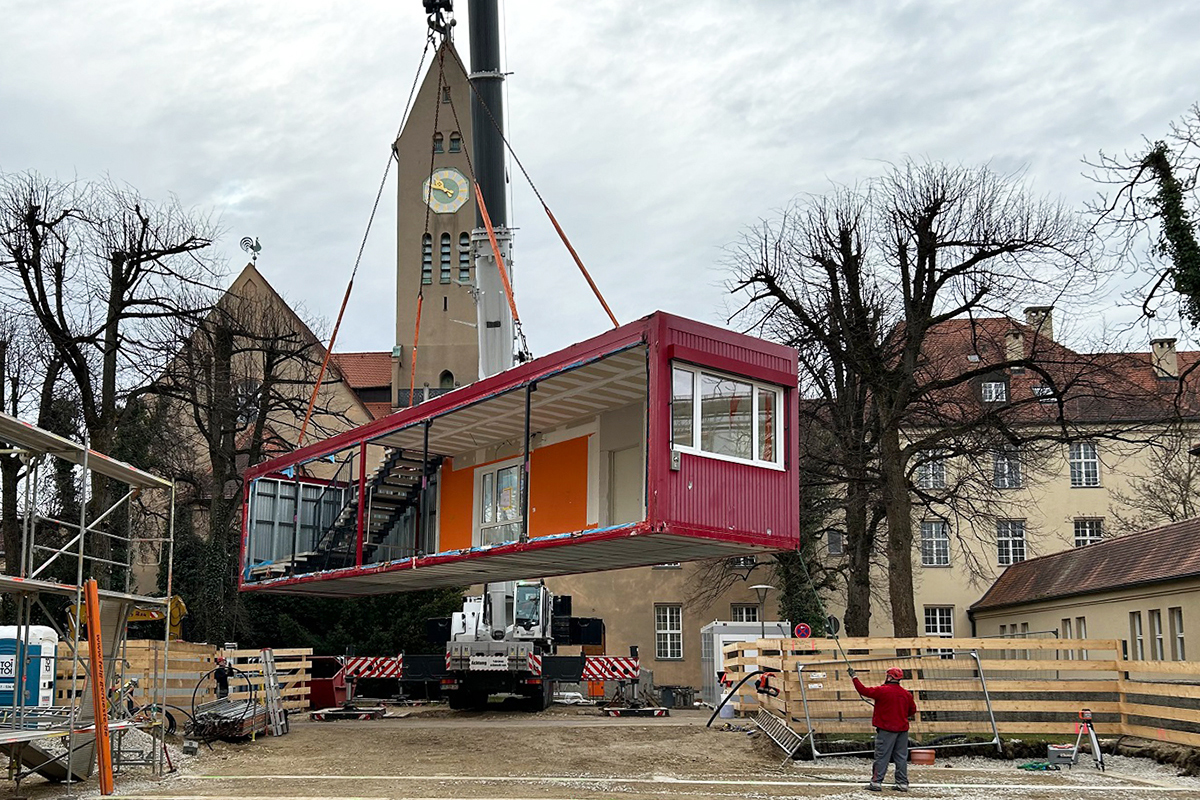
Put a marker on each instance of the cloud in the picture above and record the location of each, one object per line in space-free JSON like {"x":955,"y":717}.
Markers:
{"x":656,"y":131}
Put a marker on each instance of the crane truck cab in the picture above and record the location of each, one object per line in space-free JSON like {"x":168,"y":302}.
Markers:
{"x":503,"y":642}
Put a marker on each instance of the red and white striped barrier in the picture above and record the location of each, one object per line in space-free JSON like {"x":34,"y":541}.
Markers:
{"x":375,"y":666}
{"x":611,"y":668}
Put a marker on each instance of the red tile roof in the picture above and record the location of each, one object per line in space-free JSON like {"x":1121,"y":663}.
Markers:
{"x":365,"y":370}
{"x":1095,"y":387}
{"x":1160,"y":554}
{"x":378,"y":410}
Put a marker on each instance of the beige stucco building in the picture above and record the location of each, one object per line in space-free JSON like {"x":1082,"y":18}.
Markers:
{"x":1130,"y":419}
{"x":1142,"y":589}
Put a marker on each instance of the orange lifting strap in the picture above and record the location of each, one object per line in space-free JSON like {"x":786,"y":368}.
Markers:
{"x":412,"y":368}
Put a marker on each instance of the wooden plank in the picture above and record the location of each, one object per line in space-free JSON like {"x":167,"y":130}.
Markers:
{"x":1163,"y":735}
{"x":1189,"y":668}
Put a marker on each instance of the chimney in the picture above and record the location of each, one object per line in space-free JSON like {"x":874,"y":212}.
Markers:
{"x":1040,"y":319}
{"x":1163,"y":359}
{"x":1014,"y":345}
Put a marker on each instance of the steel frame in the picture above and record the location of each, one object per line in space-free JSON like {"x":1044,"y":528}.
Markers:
{"x":823,"y":666}
{"x":21,"y":725}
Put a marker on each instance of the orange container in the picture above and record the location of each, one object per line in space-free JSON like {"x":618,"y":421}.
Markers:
{"x":920,"y":757}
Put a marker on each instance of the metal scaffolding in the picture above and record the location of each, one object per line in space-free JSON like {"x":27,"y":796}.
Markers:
{"x":57,"y":740}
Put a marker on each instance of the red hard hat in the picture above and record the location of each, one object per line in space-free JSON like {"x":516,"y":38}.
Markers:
{"x":895,"y":672}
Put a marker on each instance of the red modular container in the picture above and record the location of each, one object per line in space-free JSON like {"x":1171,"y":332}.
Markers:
{"x":706,"y":507}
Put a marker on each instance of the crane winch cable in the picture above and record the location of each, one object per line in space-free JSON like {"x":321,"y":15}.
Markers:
{"x":545,"y":207}
{"x":362,"y":246}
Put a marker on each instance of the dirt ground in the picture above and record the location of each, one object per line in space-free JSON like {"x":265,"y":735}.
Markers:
{"x":572,"y":753}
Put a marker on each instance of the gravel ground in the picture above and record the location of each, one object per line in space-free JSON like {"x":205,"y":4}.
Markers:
{"x":574,"y":754}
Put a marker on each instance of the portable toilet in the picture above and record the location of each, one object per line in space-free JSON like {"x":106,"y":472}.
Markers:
{"x":39,"y":652}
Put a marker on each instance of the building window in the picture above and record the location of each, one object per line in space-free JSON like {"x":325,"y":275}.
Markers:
{"x":731,"y":418}
{"x":931,"y":472}
{"x":836,"y":542}
{"x":437,"y":143}
{"x":1064,"y":632}
{"x":1175,"y":616}
{"x":995,"y":391}
{"x":1136,"y":636}
{"x":1044,"y":393}
{"x":1006,"y":468}
{"x":743,"y":613}
{"x":935,"y":543}
{"x":455,"y":143}
{"x":426,"y":259}
{"x":1010,"y":541}
{"x":1085,"y":465}
{"x":445,"y":94}
{"x":1088,"y":531}
{"x":1081,"y":632}
{"x":444,"y":276}
{"x":939,"y":621}
{"x":464,"y":258}
{"x":668,"y":632}
{"x":1158,"y":642}
{"x":446,"y":380}
{"x":500,"y":503}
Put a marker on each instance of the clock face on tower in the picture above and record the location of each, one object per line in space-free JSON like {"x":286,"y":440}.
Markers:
{"x":446,"y":190}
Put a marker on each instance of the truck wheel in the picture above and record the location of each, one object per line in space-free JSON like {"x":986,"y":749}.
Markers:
{"x":541,"y":696}
{"x":459,"y":699}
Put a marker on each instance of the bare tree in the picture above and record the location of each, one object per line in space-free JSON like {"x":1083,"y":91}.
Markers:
{"x":862,"y":279}
{"x":233,"y":395}
{"x":98,"y":268}
{"x":1169,"y":491}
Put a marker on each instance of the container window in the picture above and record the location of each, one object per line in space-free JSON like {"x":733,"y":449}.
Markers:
{"x":725,"y":417}
{"x":682,"y":407}
{"x":500,"y":504}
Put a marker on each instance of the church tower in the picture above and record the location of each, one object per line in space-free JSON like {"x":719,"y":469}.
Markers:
{"x":435,"y":216}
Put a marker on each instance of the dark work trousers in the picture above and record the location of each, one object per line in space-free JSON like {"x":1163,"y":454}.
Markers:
{"x":890,"y":746}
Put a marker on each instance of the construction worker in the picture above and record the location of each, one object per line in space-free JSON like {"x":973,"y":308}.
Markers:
{"x":894,"y":707}
{"x":221,"y":675}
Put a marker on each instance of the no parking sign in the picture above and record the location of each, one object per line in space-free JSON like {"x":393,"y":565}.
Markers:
{"x":803,"y":631}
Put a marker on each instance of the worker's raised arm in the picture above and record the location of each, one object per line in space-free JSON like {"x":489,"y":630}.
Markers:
{"x":865,"y":691}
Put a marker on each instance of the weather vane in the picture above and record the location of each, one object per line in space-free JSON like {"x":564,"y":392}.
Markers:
{"x":252,"y":247}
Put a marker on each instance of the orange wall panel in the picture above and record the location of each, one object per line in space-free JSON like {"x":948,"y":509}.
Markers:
{"x":558,"y":487}
{"x":457,"y":512}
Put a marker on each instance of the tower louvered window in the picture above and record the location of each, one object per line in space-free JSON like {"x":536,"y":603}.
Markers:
{"x":464,"y":257}
{"x":426,"y":259}
{"x":445,"y":273}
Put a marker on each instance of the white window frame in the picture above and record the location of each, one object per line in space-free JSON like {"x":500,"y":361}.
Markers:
{"x":942,"y":619}
{"x":1045,"y":394}
{"x":1081,"y":632}
{"x":935,"y":543}
{"x":1088,"y":530}
{"x":494,"y":469}
{"x":668,"y":632}
{"x":1175,"y":619}
{"x":756,"y":387}
{"x":1084,"y":461}
{"x":1137,"y":637}
{"x":1006,"y":541}
{"x":994,"y":392}
{"x":931,"y":472}
{"x":1006,"y":468}
{"x":743,"y":612}
{"x":1157,"y":641}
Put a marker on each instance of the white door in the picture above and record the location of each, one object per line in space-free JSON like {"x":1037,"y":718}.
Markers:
{"x":625,"y":480}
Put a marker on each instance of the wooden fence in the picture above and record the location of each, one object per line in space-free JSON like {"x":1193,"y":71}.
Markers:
{"x":1036,"y":686}
{"x":188,"y":663}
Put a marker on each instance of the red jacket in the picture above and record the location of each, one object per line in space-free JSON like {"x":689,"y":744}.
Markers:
{"x":893,"y":705}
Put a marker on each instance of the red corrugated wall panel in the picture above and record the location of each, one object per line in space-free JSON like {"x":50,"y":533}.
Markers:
{"x":709,"y":494}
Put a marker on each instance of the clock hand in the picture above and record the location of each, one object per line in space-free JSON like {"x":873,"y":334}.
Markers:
{"x":438,"y":184}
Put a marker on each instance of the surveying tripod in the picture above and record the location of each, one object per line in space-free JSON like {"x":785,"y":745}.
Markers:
{"x":1085,"y":724}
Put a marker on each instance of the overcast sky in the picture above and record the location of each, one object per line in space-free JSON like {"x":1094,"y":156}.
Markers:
{"x":656,"y":130}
